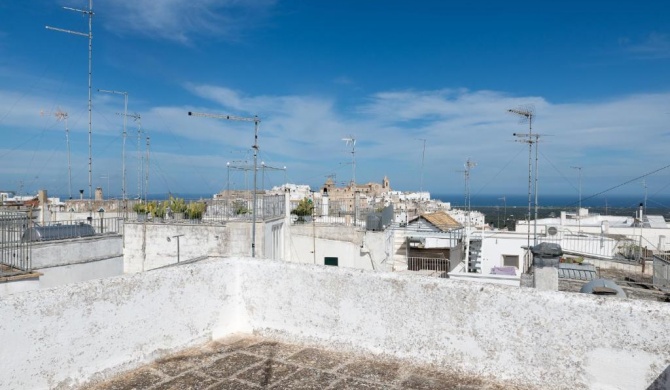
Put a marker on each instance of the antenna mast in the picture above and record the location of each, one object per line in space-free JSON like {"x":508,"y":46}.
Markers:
{"x":352,"y":141}
{"x":527,"y":113}
{"x":138,"y":118}
{"x":123,"y":148}
{"x":146,"y":185}
{"x":256,"y":121}
{"x":469,"y":164}
{"x":423,"y":157}
{"x":62,"y":116}
{"x":579,"y":218}
{"x":89,"y":13}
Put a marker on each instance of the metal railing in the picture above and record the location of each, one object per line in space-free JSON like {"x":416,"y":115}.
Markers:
{"x":233,"y":208}
{"x":661,"y":278}
{"x":586,"y":245}
{"x":429,"y":266}
{"x":100,"y":226}
{"x":15,"y":254}
{"x":348,"y":212}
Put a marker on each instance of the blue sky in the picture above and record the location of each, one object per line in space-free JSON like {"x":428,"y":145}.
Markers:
{"x":388,"y":73}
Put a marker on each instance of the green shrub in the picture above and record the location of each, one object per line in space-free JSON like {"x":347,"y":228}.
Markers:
{"x":240,"y":207}
{"x":177,"y":205}
{"x":140,"y":208}
{"x":305,"y":207}
{"x":195,"y":210}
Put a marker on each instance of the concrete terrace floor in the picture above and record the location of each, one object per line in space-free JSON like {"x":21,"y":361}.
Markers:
{"x":260,"y":363}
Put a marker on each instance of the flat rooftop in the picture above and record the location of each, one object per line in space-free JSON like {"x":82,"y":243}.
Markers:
{"x":251,"y":362}
{"x":319,"y":327}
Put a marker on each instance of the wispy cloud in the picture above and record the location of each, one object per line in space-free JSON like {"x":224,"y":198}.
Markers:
{"x":343,"y":80}
{"x":614,"y":139}
{"x":183,"y":20}
{"x":653,"y":46}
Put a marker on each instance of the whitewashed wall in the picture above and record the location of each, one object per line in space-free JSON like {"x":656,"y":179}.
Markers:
{"x":146,"y":246}
{"x":550,"y":339}
{"x":496,"y":244}
{"x":70,"y":334}
{"x":64,"y":336}
{"x":354,"y":248}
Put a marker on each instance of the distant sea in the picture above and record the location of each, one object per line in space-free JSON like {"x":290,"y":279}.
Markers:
{"x":515,"y":207}
{"x":632,"y":201}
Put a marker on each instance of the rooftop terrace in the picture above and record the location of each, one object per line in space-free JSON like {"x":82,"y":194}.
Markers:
{"x":453,"y":332}
{"x":253,"y":362}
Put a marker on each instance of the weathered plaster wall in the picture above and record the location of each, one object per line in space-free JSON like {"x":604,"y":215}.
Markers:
{"x":550,"y":339}
{"x":72,"y":273}
{"x":66,"y":335}
{"x":18,"y":286}
{"x":497,"y":244}
{"x":146,"y":245}
{"x":64,"y":252}
{"x":354,"y":248}
{"x":76,"y":260}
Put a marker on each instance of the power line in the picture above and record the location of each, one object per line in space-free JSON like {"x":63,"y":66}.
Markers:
{"x":624,"y":183}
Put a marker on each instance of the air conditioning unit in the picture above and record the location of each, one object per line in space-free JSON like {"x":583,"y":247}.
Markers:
{"x":552,"y":230}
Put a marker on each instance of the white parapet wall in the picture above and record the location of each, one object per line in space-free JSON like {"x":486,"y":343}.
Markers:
{"x":77,"y":259}
{"x":71,"y":334}
{"x":65,"y":336}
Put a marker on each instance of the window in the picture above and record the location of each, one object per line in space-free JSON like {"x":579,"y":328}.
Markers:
{"x":330,"y":261}
{"x":511,"y":261}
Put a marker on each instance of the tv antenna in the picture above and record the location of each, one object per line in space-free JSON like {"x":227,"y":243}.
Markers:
{"x":123,"y":148}
{"x":644,"y":184}
{"x":146,"y":179}
{"x":89,"y":13}
{"x":469,"y":164}
{"x":62,"y":116}
{"x":352,"y":141}
{"x":138,"y":118}
{"x":579,"y":218}
{"x":423,"y":156}
{"x":256,"y":121}
{"x":527,"y":113}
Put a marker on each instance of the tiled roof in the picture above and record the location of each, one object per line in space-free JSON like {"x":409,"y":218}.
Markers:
{"x":441,"y":220}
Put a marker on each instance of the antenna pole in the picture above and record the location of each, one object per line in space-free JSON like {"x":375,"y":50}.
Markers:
{"x":530,"y":124}
{"x":139,"y":156}
{"x":644,"y":183}
{"x":423,"y":157}
{"x":528,"y":114}
{"x":579,"y":219}
{"x":256,"y":121}
{"x":89,"y":13}
{"x":351,"y":140}
{"x":146,"y":186}
{"x":62,"y":116}
{"x":253,"y":220}
{"x":123,"y":148}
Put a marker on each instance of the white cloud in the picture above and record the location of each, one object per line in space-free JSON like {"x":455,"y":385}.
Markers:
{"x":181,"y":20}
{"x":653,"y":46}
{"x":614,"y":140}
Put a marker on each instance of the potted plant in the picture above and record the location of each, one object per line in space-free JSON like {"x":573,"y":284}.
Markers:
{"x":177,"y":206}
{"x":195,"y":210}
{"x":240,"y":207}
{"x":141,"y":210}
{"x":157,"y":209}
{"x":305,"y":208}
